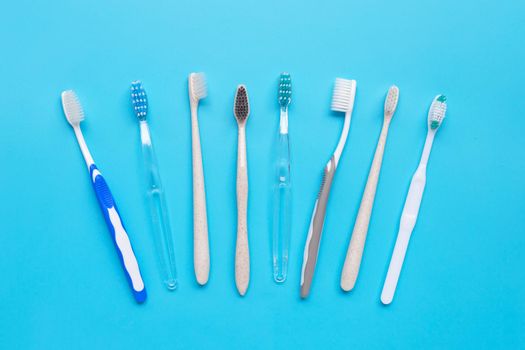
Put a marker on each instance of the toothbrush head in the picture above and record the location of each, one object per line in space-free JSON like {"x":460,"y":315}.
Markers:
{"x":344,"y":95}
{"x":241,"y":107}
{"x":139,"y":100}
{"x":72,"y":108}
{"x":197,"y":86}
{"x":391,"y":101}
{"x":285,"y":90}
{"x":437,"y":111}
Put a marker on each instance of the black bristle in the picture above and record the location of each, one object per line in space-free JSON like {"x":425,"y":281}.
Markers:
{"x":241,"y":108}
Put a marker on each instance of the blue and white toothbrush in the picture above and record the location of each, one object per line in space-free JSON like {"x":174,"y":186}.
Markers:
{"x":74,"y":115}
{"x":157,"y":200}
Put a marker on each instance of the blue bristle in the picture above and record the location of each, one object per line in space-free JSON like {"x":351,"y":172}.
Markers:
{"x":139,"y":100}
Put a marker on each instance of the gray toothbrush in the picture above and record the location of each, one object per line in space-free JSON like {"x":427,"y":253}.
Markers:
{"x":342,"y":101}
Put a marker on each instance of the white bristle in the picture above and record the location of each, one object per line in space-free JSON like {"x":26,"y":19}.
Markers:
{"x":72,"y":108}
{"x":198,"y":89}
{"x":344,"y":95}
{"x":391,"y":101}
{"x":437,"y":111}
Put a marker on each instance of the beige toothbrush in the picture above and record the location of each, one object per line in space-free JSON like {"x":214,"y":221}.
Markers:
{"x":357,"y":242}
{"x":201,"y":250}
{"x":241,"y":110}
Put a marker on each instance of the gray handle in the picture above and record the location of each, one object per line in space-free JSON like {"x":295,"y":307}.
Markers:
{"x":311,"y":249}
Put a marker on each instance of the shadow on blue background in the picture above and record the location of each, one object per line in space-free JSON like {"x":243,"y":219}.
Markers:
{"x":462,"y":285}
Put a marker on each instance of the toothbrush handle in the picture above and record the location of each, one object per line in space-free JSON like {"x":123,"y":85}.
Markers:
{"x":201,"y":250}
{"x":242,"y":254}
{"x":282,"y":211}
{"x":406,"y":226}
{"x":118,"y":234}
{"x":354,"y":253}
{"x":160,"y":218}
{"x":311,"y":249}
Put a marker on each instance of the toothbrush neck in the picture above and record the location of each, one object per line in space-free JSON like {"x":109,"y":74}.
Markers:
{"x":193,"y":107}
{"x":83,"y":146}
{"x":342,"y":139}
{"x":144,"y":133}
{"x":241,"y":146}
{"x":283,"y":123}
{"x":428,"y":146}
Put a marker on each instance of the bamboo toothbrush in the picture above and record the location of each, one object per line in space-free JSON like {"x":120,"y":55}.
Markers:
{"x":342,"y":101}
{"x":283,"y":191}
{"x":241,"y":110}
{"x":74,"y":115}
{"x":436,"y":114}
{"x":157,"y":199}
{"x":357,"y":242}
{"x":201,"y":250}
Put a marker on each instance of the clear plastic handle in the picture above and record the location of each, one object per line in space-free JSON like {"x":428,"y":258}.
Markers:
{"x":159,"y":214}
{"x":282,"y":212}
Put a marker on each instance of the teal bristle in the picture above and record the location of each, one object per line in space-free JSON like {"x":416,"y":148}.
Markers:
{"x":437,"y":111}
{"x":139,"y":100}
{"x":285,"y":90}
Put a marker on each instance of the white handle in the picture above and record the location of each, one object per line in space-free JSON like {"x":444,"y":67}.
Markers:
{"x":242,"y":253}
{"x":201,"y":250}
{"x":354,"y":253}
{"x":406,"y":226}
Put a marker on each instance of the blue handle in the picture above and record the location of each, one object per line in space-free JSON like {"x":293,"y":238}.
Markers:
{"x":118,"y":234}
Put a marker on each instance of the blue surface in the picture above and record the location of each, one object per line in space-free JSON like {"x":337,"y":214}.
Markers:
{"x":463,"y":285}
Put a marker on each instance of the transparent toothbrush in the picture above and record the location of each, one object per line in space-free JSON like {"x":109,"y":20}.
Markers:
{"x":157,"y":200}
{"x":283,"y":192}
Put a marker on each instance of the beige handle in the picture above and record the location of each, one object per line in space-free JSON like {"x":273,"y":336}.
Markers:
{"x":354,"y":253}
{"x":242,"y":253}
{"x":201,"y":249}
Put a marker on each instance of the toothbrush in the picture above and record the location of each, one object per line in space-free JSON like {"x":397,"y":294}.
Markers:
{"x":342,"y":101}
{"x":157,"y":199}
{"x":282,"y":202}
{"x":357,"y":242}
{"x":201,"y":250}
{"x":436,"y":115}
{"x":74,"y":115}
{"x":241,"y":110}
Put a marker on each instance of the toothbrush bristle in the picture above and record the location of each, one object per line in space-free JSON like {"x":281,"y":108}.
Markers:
{"x":344,"y":95}
{"x":437,"y":111}
{"x":241,"y":108}
{"x":198,"y":88}
{"x":391,"y":100}
{"x":139,"y":100}
{"x":72,"y":108}
{"x":285,"y":90}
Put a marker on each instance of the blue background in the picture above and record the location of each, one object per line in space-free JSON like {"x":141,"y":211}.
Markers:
{"x":463,"y":284}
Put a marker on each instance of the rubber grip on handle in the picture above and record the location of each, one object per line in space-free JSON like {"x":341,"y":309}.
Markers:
{"x":118,"y":234}
{"x":311,"y":249}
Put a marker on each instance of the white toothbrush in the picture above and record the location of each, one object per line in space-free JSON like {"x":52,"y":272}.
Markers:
{"x":342,"y":101}
{"x":155,"y":191}
{"x":201,"y":250}
{"x":74,"y":115}
{"x":241,"y":110}
{"x":436,"y":115}
{"x":357,"y":242}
